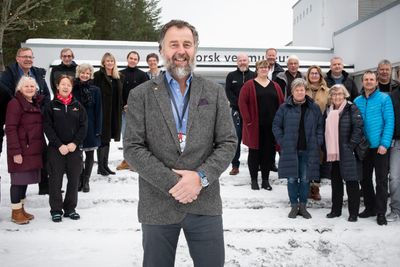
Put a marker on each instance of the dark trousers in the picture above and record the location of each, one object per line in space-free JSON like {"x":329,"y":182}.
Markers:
{"x":204,"y":236}
{"x":237,"y":122}
{"x":262,"y":158}
{"x":375,"y":201}
{"x":71,"y":164}
{"x":352,"y":189}
{"x":44,"y":176}
{"x":17,"y":192}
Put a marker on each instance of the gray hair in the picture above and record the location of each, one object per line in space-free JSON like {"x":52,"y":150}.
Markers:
{"x":298,"y":82}
{"x":83,"y":67}
{"x":337,"y":87}
{"x":384,"y":62}
{"x":179,"y":24}
{"x":293,"y":57}
{"x":23,"y":80}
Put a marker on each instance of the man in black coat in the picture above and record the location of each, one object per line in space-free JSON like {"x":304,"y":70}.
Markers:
{"x":133,"y":76}
{"x":336,"y":75}
{"x":67,"y":67}
{"x":9,"y":80}
{"x":274,"y":70}
{"x":233,"y":84}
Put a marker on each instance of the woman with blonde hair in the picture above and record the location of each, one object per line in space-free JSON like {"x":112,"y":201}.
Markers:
{"x":108,"y":79}
{"x":89,"y":95}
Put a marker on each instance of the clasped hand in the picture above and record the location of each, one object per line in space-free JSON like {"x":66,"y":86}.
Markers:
{"x":188,"y":187}
{"x":65,"y":149}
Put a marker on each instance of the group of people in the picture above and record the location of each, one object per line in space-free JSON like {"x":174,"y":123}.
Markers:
{"x":322,"y":127}
{"x":179,"y":137}
{"x":86,"y":112}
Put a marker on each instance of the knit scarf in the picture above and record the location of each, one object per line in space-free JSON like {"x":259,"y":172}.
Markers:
{"x":65,"y":101}
{"x":332,"y":132}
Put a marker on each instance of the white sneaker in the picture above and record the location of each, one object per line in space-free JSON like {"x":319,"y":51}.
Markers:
{"x":392,"y":217}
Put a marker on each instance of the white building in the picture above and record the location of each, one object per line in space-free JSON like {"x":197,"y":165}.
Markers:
{"x":362,"y":32}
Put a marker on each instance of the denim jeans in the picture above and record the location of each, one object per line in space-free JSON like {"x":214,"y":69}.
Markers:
{"x":298,"y":186}
{"x":394,"y":177}
{"x":237,"y":122}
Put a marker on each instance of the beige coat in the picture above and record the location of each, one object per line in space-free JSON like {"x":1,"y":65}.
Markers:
{"x":320,"y":96}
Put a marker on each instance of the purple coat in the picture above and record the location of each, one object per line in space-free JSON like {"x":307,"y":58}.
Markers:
{"x":24,"y":131}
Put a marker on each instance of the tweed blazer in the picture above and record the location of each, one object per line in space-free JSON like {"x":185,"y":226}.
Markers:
{"x":151,"y":147}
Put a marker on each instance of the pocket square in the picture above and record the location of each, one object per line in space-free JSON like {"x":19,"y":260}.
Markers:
{"x":203,"y":102}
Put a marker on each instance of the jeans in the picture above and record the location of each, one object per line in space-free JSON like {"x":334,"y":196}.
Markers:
{"x":204,"y":235}
{"x":298,"y":187}
{"x":237,"y":122}
{"x":375,"y":202}
{"x":394,"y":177}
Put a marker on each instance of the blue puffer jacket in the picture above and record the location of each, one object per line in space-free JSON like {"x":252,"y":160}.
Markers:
{"x":378,"y":116}
{"x":286,"y":131}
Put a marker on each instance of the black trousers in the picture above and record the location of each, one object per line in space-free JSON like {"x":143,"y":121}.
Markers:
{"x":262,"y":158}
{"x":352,"y":189}
{"x":204,"y":235}
{"x":375,"y":201}
{"x":71,"y":164}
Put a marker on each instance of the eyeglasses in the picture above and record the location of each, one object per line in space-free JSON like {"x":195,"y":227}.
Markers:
{"x":68,"y":56}
{"x":336,"y":94}
{"x":27,"y":57}
{"x":314,"y":73}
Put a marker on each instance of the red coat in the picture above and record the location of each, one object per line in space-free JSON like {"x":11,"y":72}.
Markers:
{"x":249,"y":110}
{"x":24,"y":131}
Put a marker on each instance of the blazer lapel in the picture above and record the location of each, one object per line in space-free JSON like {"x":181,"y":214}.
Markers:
{"x":164,"y":102}
{"x":195,"y":93}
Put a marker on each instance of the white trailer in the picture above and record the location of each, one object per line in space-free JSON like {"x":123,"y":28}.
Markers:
{"x":212,"y":62}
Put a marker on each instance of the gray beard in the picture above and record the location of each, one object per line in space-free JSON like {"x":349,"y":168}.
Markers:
{"x":180,"y":72}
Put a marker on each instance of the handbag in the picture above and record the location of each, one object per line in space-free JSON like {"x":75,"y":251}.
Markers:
{"x":361,"y":149}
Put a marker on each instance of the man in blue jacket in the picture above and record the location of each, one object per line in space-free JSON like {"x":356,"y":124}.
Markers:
{"x":377,"y":111}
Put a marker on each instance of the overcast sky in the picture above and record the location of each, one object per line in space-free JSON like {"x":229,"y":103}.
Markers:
{"x":235,"y":23}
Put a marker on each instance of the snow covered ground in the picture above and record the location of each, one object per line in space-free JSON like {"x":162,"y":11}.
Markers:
{"x":257,"y":230}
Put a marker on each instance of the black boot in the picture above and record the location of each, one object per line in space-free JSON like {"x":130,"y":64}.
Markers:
{"x":80,"y":185}
{"x":254,"y":185}
{"x":100,"y":162}
{"x":265,"y":185}
{"x":86,"y":187}
{"x":87,"y":172}
{"x":106,"y":153}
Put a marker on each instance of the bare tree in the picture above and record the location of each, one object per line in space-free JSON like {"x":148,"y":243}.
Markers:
{"x":15,"y":18}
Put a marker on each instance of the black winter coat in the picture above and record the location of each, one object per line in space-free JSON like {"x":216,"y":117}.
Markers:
{"x":104,"y":82}
{"x":350,"y":134}
{"x":395,"y":96}
{"x":347,"y":82}
{"x":233,"y":85}
{"x":89,"y":96}
{"x":132,"y":78}
{"x":286,"y":131}
{"x":64,"y":124}
{"x":59,"y":70}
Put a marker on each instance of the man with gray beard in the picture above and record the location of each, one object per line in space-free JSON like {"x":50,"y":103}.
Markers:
{"x":180,"y":138}
{"x":233,"y":84}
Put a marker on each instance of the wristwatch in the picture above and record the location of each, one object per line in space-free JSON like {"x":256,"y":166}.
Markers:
{"x":203,"y":179}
